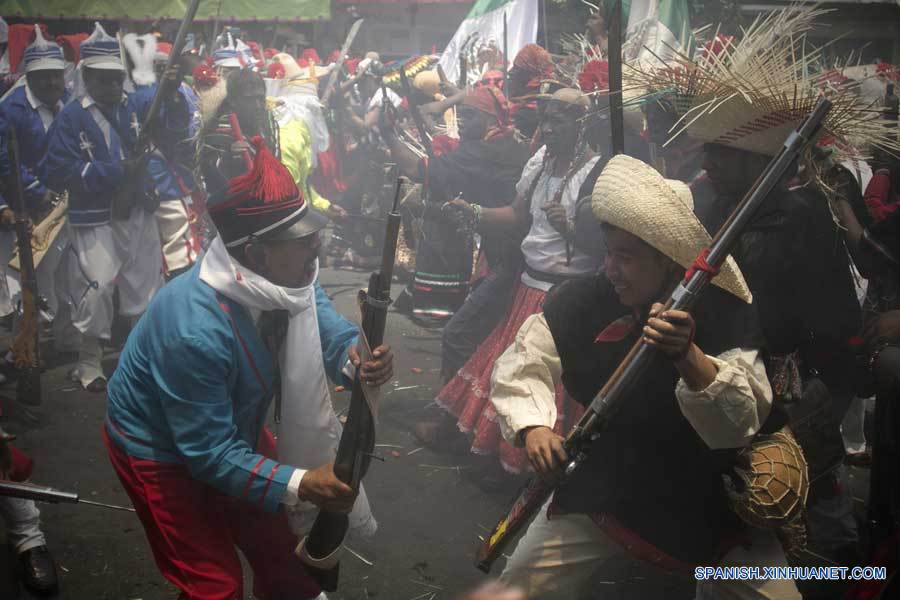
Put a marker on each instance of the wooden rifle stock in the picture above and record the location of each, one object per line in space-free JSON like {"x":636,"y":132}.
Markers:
{"x":26,"y":346}
{"x":358,"y":438}
{"x":618,"y":386}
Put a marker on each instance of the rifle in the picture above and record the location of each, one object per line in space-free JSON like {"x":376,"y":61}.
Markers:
{"x":127,"y":196}
{"x":320,"y":549}
{"x":618,"y":386}
{"x":26,"y":346}
{"x":39,"y":493}
{"x":616,"y":116}
{"x":414,"y":111}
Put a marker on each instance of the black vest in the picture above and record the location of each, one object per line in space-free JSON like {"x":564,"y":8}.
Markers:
{"x":649,"y":468}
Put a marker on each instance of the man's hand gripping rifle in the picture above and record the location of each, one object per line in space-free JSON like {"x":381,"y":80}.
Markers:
{"x":320,"y":550}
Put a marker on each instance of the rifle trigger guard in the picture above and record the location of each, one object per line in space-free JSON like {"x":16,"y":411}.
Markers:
{"x":379,"y":304}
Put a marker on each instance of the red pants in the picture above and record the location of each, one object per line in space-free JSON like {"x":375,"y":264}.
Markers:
{"x":21,"y":465}
{"x":193,"y":530}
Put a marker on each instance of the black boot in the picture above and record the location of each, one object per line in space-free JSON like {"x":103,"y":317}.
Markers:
{"x":39,"y":571}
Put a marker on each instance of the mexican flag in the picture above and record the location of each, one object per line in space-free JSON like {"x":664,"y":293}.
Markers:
{"x":484,"y":24}
{"x":656,"y":28}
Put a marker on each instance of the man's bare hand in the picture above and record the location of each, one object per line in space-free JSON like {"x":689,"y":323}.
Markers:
{"x":322,"y":487}
{"x":545,"y":451}
{"x":672,"y":331}
{"x":336,"y":213}
{"x":7,"y":218}
{"x":377,"y":371}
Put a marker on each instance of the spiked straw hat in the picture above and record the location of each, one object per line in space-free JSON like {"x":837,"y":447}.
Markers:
{"x":634,"y":197}
{"x":263,"y":204}
{"x":750,"y":93}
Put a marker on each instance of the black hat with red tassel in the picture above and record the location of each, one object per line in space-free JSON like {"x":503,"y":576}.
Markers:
{"x":264,"y":204}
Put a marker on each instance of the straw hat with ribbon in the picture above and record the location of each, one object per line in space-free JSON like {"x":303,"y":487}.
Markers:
{"x":634,"y":197}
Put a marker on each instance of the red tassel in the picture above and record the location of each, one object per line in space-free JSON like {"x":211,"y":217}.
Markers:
{"x":269,"y":181}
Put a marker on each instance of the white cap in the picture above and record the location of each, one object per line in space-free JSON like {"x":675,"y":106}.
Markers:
{"x":43,"y":55}
{"x":101,"y":51}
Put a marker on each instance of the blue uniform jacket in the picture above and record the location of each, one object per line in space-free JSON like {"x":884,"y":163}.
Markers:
{"x":79,"y":160}
{"x":170,"y":169}
{"x":194,"y":383}
{"x":17,"y":111}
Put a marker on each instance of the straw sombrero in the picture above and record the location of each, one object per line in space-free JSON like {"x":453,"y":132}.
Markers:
{"x":633,"y":196}
{"x":752,"y":92}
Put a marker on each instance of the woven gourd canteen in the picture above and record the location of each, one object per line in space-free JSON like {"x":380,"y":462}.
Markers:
{"x":776,"y":480}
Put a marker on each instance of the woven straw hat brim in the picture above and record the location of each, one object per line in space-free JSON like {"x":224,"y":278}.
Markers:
{"x":633,"y":196}
{"x":683,"y":192}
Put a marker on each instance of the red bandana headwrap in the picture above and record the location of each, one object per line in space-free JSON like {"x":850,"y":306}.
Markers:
{"x":492,"y":102}
{"x":535,"y":62}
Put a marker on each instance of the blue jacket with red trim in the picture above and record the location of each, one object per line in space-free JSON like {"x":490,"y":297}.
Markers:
{"x":194,"y":384}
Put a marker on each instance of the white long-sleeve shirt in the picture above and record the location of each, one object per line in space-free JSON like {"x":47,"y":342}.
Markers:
{"x":727,"y":414}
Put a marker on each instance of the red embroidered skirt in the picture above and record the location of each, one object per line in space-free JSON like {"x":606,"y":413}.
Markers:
{"x":467,"y":395}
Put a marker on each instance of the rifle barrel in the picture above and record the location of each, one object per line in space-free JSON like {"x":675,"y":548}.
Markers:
{"x":616,"y":113}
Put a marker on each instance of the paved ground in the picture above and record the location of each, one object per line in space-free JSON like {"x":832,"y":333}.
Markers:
{"x":431,"y":507}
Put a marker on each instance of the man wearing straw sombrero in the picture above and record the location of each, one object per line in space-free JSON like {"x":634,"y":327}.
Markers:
{"x":652,"y":485}
{"x":742,"y":101}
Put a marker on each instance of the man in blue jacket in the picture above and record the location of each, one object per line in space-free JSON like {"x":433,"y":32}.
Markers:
{"x":31,"y":107}
{"x":170,"y":167}
{"x":188,"y":401}
{"x":89,"y":154}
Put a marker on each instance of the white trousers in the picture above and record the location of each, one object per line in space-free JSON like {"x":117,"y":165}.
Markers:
{"x":123,"y":255}
{"x":23,"y":523}
{"x":175,"y":235}
{"x":556,"y":559}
